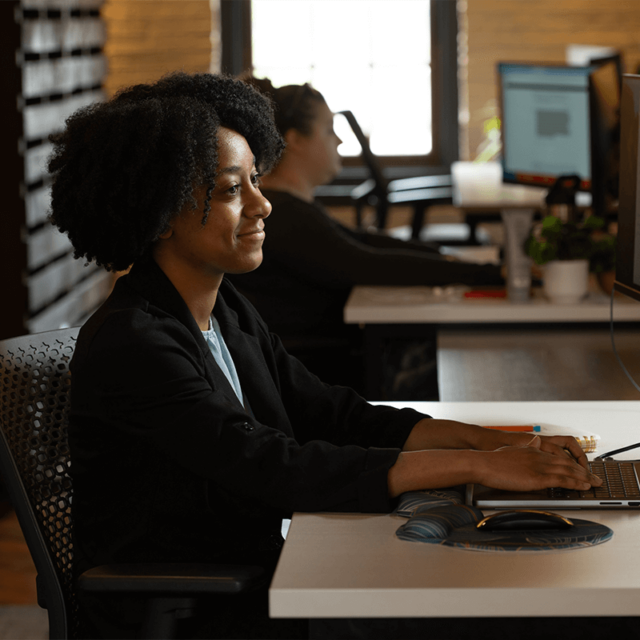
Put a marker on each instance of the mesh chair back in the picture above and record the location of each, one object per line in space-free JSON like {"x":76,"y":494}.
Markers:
{"x":34,"y":403}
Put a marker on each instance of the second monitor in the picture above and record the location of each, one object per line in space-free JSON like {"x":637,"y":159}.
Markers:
{"x":561,"y":120}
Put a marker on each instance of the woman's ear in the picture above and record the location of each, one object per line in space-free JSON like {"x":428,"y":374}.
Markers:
{"x":167,"y":233}
{"x":292,"y":139}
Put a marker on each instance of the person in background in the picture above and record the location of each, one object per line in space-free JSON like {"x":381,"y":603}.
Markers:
{"x":192,"y":431}
{"x":311,"y":261}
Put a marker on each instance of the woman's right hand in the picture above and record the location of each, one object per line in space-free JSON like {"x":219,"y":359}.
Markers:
{"x":528,"y":468}
{"x":512,"y":468}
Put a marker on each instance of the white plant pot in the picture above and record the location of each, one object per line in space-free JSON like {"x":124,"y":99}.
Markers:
{"x":566,"y":281}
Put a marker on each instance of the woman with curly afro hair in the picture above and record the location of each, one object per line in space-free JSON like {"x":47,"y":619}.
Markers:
{"x":123,"y":169}
{"x":192,"y":431}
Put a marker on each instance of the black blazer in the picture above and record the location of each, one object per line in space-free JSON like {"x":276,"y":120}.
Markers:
{"x":168,"y":466}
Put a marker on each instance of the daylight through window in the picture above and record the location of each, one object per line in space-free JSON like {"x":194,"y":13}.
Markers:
{"x":370,"y":57}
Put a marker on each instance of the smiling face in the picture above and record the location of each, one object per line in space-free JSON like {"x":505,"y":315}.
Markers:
{"x":231,"y":239}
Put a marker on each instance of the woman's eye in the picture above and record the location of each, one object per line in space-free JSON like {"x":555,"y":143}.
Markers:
{"x":234,"y":189}
{"x":256,"y":179}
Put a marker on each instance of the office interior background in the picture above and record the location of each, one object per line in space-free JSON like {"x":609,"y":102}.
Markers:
{"x":145,"y":39}
{"x":150,"y":37}
{"x":131,"y":41}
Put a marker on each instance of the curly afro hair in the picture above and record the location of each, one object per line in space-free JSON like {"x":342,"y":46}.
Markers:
{"x":123,"y":169}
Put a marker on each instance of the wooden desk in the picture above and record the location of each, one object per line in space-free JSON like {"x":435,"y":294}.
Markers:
{"x":493,"y":349}
{"x":542,"y":363}
{"x":478,"y":188}
{"x":353,"y":565}
{"x":435,"y":305}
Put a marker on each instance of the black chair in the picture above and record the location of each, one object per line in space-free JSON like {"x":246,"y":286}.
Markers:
{"x":35,"y":463}
{"x":420,"y":192}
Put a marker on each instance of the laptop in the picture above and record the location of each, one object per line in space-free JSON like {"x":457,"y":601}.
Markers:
{"x":620,"y":490}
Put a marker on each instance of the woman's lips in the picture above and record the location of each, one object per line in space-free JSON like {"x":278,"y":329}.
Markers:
{"x":256,"y":234}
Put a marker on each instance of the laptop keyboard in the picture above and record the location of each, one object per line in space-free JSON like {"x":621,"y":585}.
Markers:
{"x":619,"y":481}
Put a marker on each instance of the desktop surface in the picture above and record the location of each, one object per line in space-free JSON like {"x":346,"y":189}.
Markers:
{"x":354,"y":566}
{"x":408,"y":305}
{"x":549,"y":341}
{"x":546,"y":363}
{"x":478,"y":187}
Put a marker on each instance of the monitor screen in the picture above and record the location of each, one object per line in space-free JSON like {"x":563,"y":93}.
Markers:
{"x":628,"y":238}
{"x":546,"y":123}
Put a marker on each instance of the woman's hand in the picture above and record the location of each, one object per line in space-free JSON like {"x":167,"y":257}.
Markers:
{"x":432,"y":433}
{"x":564,"y":444}
{"x":557,"y":445}
{"x":541,"y":464}
{"x":524,"y":463}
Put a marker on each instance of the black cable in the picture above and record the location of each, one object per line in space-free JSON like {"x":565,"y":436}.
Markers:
{"x":611,"y":453}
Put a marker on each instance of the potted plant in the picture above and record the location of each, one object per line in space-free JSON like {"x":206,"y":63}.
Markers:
{"x":568,"y":250}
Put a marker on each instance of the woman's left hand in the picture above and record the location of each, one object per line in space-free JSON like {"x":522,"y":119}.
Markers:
{"x":433,"y":433}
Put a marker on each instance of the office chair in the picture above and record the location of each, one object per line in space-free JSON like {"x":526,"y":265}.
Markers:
{"x":35,"y":463}
{"x":420,"y":192}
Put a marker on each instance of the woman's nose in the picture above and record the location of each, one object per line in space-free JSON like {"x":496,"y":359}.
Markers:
{"x":259,"y":206}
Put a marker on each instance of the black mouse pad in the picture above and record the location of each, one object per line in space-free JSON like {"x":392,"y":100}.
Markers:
{"x":439,"y":517}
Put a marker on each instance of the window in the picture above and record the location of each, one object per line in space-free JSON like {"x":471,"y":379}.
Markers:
{"x":391,"y":62}
{"x":373,"y":58}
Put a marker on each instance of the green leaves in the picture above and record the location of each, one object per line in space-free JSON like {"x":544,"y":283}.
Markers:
{"x":557,"y":240}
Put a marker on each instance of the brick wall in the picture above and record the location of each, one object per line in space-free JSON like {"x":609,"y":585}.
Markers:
{"x":148,"y":38}
{"x":535,"y":30}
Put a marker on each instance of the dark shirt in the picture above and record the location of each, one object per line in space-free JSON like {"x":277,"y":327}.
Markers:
{"x":311,"y":263}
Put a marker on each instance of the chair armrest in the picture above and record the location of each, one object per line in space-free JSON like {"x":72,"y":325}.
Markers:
{"x":333,"y":191}
{"x":170,"y":578}
{"x":363,"y":189}
{"x":420,"y":182}
{"x":435,"y":195}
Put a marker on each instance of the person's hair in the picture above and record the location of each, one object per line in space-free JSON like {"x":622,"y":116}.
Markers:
{"x":123,"y":169}
{"x":296,"y":105}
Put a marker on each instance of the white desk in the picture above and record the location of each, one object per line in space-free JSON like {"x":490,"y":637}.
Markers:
{"x":478,"y":188}
{"x":505,"y":363}
{"x":494,"y":349}
{"x":353,"y":565}
{"x":434,"y":305}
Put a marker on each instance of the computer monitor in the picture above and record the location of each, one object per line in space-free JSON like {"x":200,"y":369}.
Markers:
{"x":583,"y":55}
{"x":628,"y":238}
{"x":616,"y":59}
{"x":560,"y":120}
